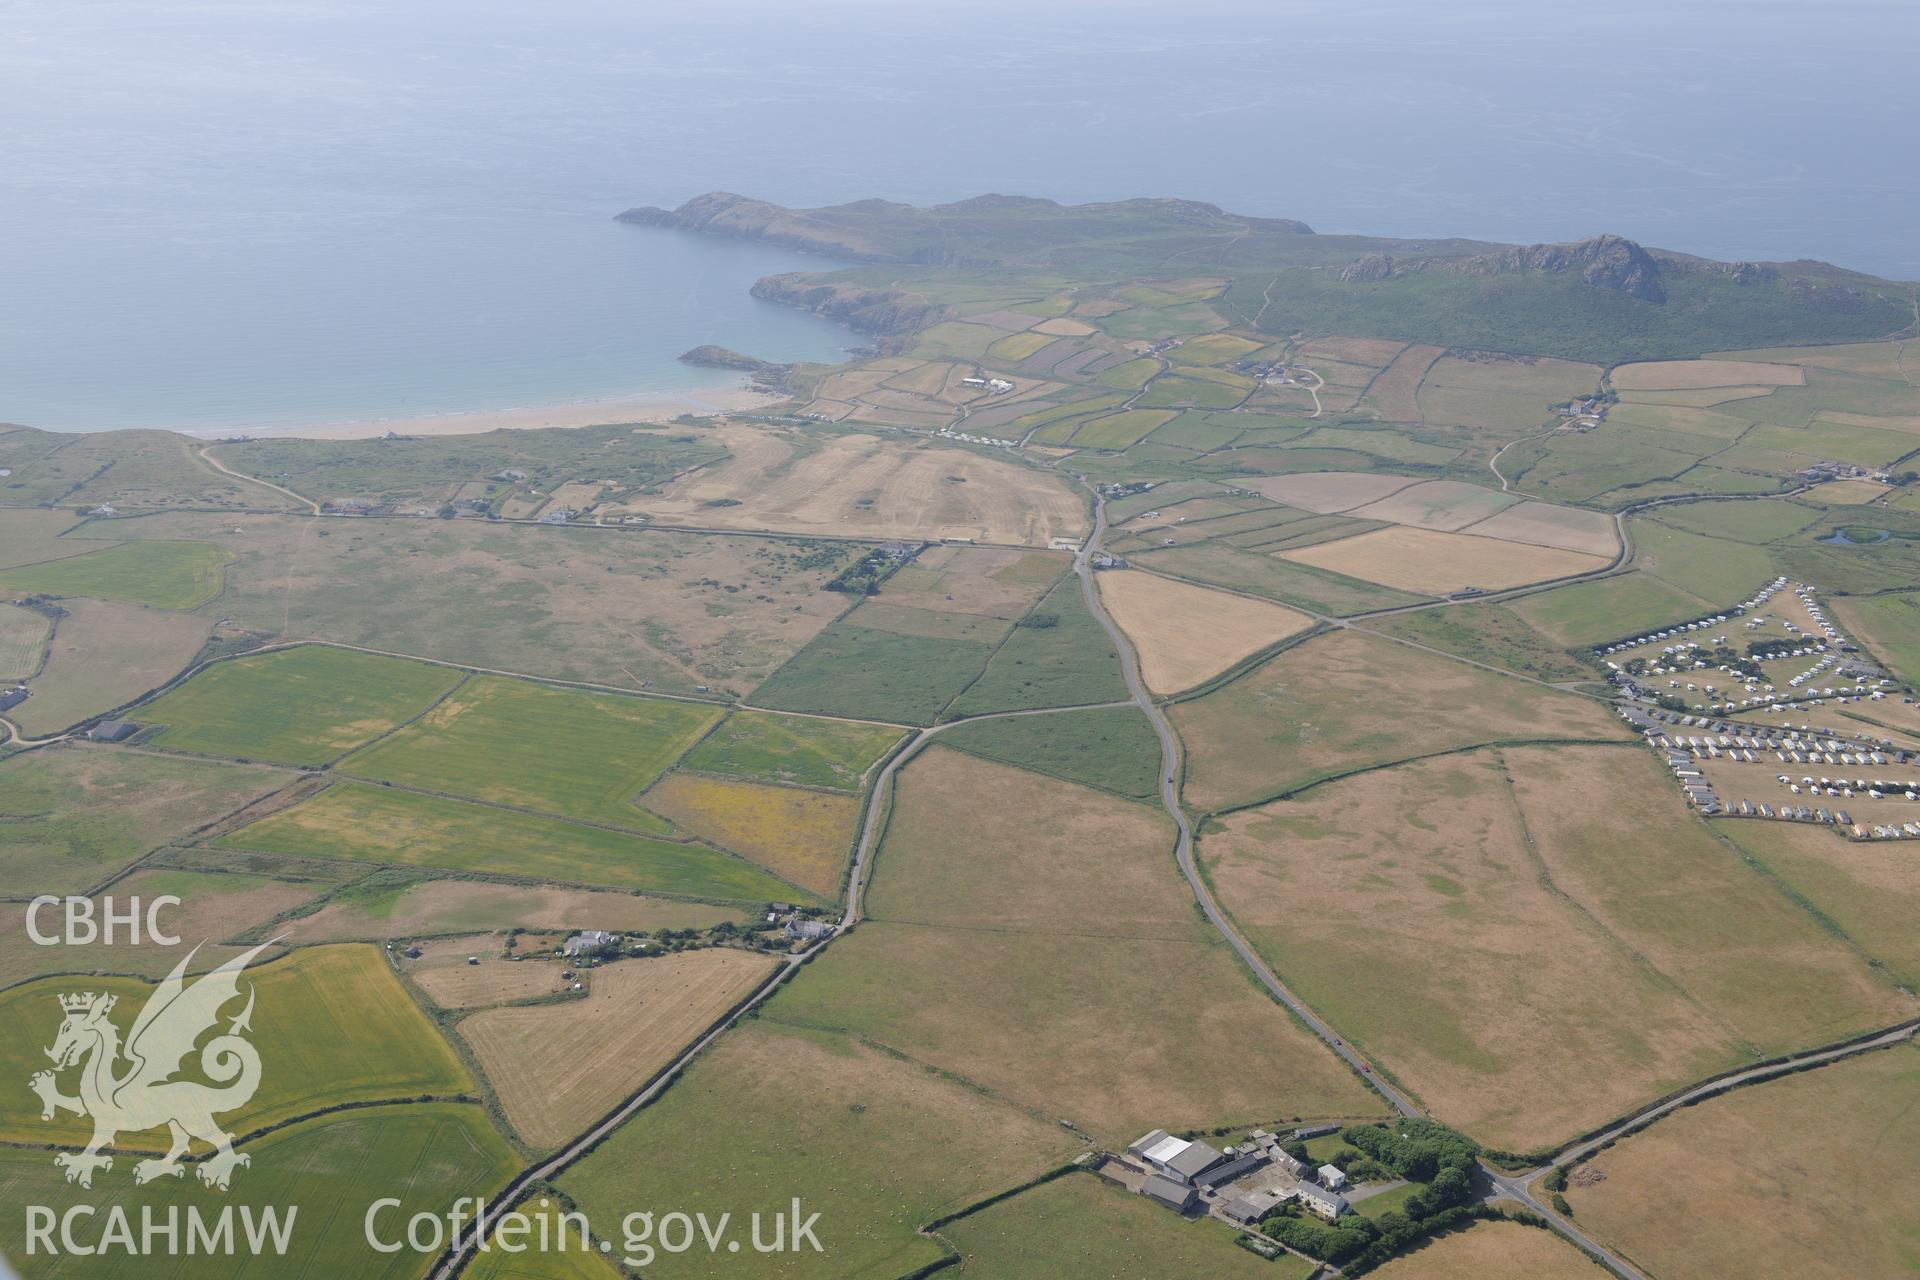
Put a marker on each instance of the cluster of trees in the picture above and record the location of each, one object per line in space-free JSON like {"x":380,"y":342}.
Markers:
{"x":1422,"y":1151}
{"x":864,"y":576}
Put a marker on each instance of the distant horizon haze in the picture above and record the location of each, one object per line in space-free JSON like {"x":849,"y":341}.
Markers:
{"x":221,"y":214}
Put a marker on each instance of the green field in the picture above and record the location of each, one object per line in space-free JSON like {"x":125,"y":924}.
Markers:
{"x":1082,"y":1225}
{"x":1173,"y":391}
{"x":874,"y":1143}
{"x":801,"y":750}
{"x":332,"y":1025}
{"x":305,"y":705}
{"x":1118,"y":430}
{"x":1759,"y":520}
{"x":1489,"y":633}
{"x":374,"y":824}
{"x":73,"y":815}
{"x":1591,"y":613}
{"x":1058,"y":656}
{"x":166,"y":575}
{"x":558,"y":1255}
{"x":851,"y":670}
{"x":1717,"y":570}
{"x":1112,"y":748}
{"x":1889,"y":626}
{"x":560,"y":751}
{"x":332,"y":1168}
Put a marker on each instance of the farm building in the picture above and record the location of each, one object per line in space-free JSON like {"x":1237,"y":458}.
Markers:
{"x":1254,"y":1206}
{"x":1176,"y":1196}
{"x":113,"y":731}
{"x":1328,"y":1204}
{"x":807,"y":930}
{"x":1331,"y":1178}
{"x":11,"y":698}
{"x":1238,"y":1167}
{"x":590,"y":940}
{"x":1176,"y":1158}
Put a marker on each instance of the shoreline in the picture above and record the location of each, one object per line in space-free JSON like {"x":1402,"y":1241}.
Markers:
{"x":646,"y":406}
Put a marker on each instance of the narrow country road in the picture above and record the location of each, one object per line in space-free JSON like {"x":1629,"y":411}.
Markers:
{"x":1170,"y":759}
{"x":1183,"y":855}
{"x":461,"y":1249}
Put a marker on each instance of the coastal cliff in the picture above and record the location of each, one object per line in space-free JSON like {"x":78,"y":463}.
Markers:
{"x":881,"y":312}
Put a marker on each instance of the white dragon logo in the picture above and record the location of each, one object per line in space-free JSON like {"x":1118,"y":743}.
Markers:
{"x":144,"y":1096}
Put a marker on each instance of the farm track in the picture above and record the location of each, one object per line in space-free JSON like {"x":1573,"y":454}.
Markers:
{"x":205,"y":455}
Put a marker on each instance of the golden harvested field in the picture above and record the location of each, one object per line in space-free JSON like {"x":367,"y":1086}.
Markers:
{"x":1493,"y":1251}
{"x":1392,"y":395}
{"x":877,"y":1145}
{"x":1680,"y":375}
{"x":1044,"y":945}
{"x":1346,"y":701}
{"x":1696,"y":397}
{"x":404,"y":910}
{"x":1438,"y":504}
{"x":1117,"y":1034}
{"x":1434,"y":563}
{"x":444,"y":974}
{"x":1876,"y":359}
{"x":800,"y":835}
{"x":1848,"y":492}
{"x":866,"y":486}
{"x":105,"y":654}
{"x":1062,"y":327}
{"x":1548,"y":525}
{"x":1018,"y":346}
{"x":1814,"y":1176}
{"x":1328,"y":492}
{"x":1870,"y":889}
{"x":1043,"y":847}
{"x":1187,"y":634}
{"x":1758,"y":961}
{"x":559,"y":1067}
{"x":1495,"y":1000}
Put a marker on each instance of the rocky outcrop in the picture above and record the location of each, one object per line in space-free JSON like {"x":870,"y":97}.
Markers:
{"x":712,"y":357}
{"x":1606,"y":262}
{"x":866,"y":310}
{"x":1374,"y":266}
{"x":762,"y":375}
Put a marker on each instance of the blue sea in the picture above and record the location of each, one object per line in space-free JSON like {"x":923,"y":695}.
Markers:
{"x":219,"y":214}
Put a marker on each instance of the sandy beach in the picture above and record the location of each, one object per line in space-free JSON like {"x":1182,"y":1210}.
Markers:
{"x":650,"y":407}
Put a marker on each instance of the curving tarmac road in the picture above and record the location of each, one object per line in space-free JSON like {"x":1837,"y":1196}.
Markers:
{"x":1513,"y":1187}
{"x":1170,"y":756}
